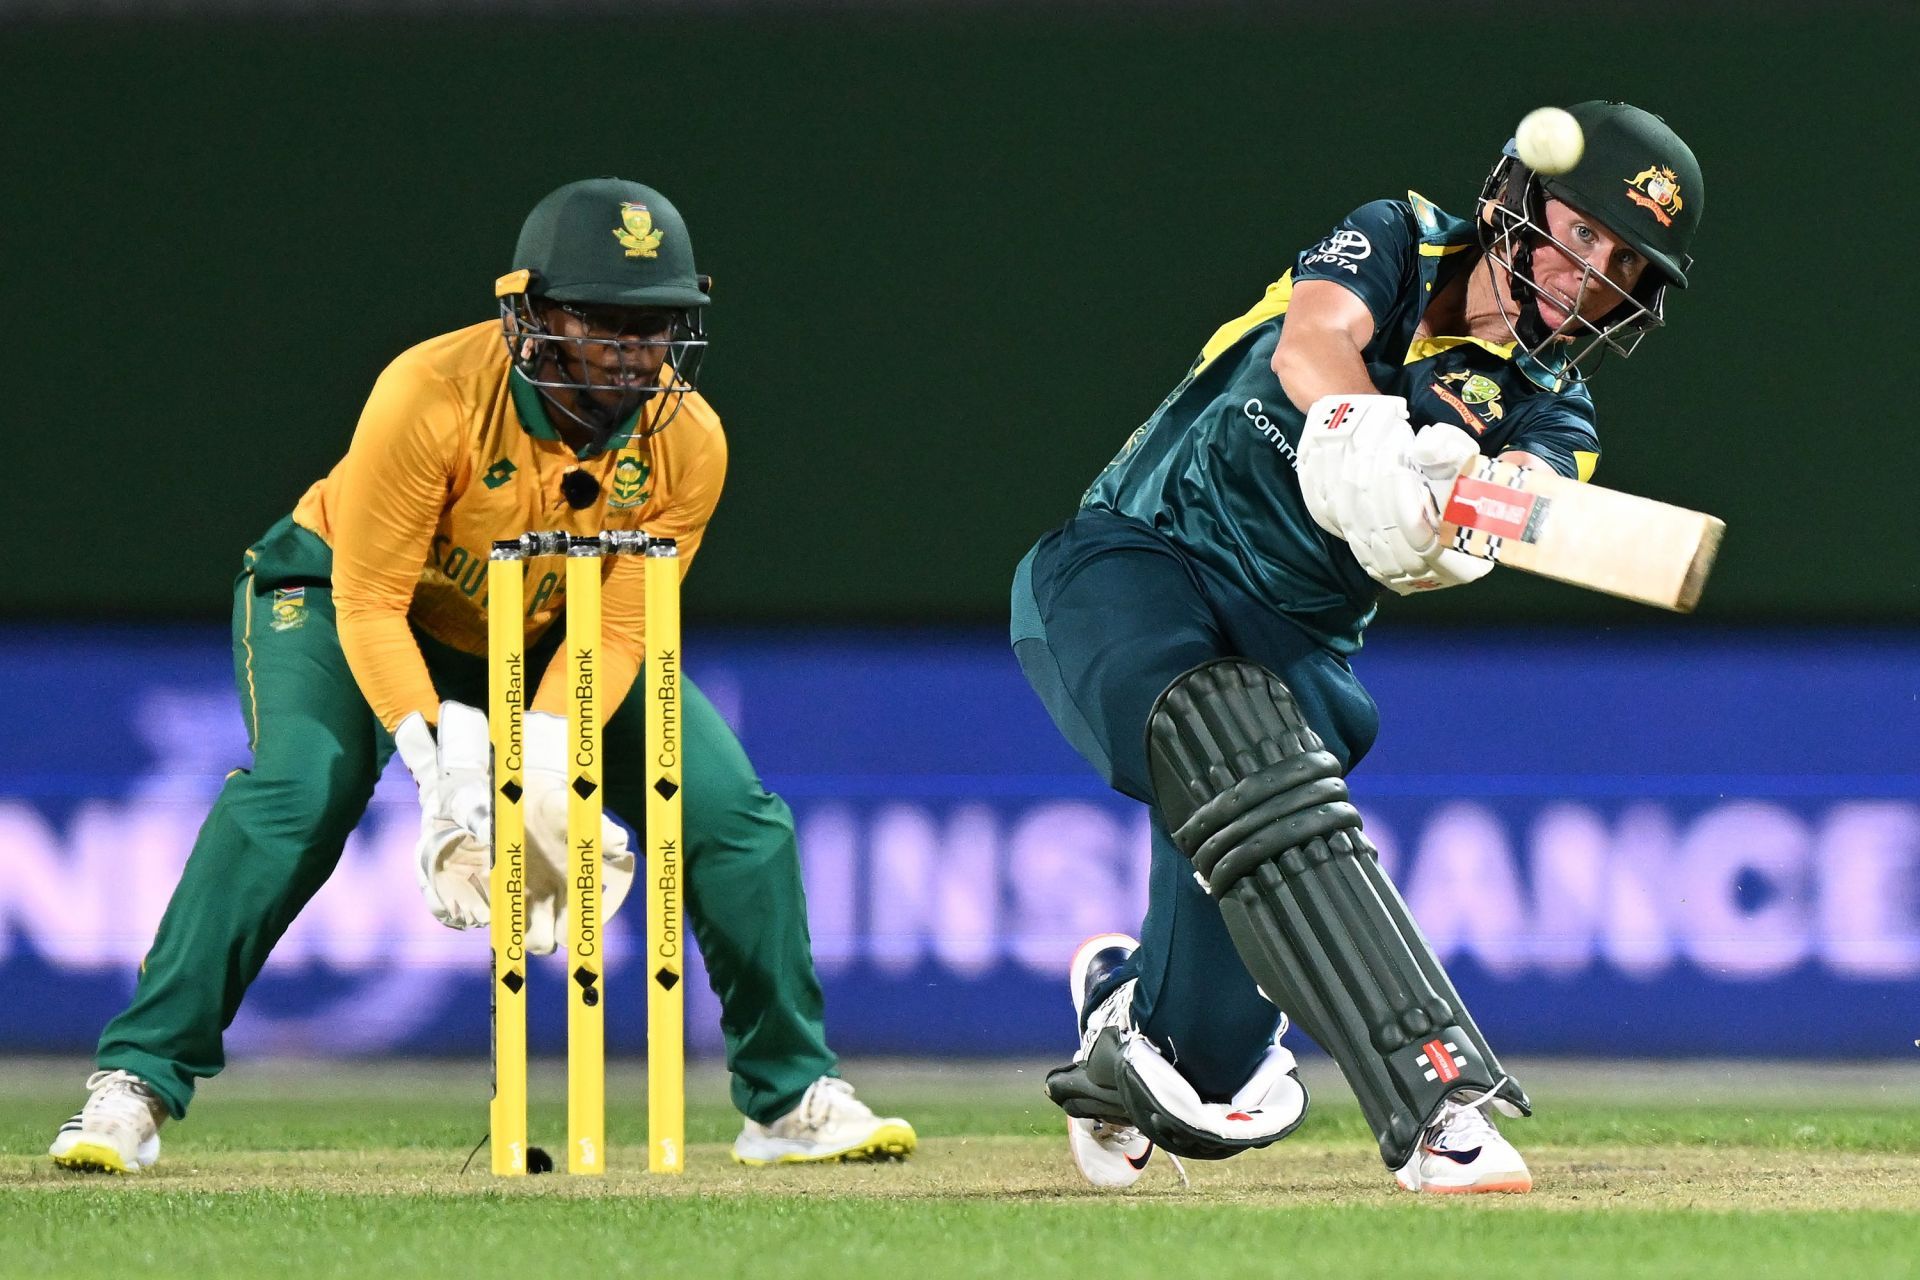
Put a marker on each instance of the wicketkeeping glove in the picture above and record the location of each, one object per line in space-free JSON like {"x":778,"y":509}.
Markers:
{"x":456,"y":817}
{"x":549,"y":867}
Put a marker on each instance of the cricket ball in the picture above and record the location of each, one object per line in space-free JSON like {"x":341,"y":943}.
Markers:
{"x":1549,"y":140}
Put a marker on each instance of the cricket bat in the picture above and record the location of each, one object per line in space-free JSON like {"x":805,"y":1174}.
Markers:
{"x":1535,"y":519}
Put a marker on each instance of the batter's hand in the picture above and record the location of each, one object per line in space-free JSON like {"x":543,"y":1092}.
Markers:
{"x":1346,"y":443}
{"x":1367,"y":478}
{"x":1412,"y":558}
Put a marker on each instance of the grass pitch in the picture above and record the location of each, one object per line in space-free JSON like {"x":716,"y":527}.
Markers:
{"x":1699,"y":1171}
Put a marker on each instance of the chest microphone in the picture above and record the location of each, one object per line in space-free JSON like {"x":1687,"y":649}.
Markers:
{"x":579,"y":489}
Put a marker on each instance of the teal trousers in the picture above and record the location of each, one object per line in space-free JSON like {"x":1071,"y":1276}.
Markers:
{"x":1106,"y":613}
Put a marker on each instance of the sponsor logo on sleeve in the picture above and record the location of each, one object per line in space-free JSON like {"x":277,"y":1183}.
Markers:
{"x":1345,"y":249}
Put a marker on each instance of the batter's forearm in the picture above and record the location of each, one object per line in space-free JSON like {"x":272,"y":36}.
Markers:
{"x":1320,"y":362}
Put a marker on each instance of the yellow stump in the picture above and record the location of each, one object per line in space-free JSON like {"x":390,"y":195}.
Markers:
{"x":666,"y":1002}
{"x":586,"y":1008}
{"x":506,"y":694}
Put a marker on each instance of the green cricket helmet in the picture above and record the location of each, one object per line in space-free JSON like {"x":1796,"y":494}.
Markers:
{"x":614,"y":255}
{"x":1636,"y":178}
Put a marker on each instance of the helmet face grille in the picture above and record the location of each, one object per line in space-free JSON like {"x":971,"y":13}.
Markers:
{"x":624,"y":378}
{"x":603,"y":312}
{"x":1513,"y":227}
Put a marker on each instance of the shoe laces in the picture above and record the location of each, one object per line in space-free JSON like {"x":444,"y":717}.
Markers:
{"x":120,"y":1098}
{"x":1114,"y":1011}
{"x":1465,"y":1123}
{"x":1468,"y":1126}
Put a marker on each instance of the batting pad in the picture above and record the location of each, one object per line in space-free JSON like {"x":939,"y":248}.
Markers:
{"x":1251,"y":796}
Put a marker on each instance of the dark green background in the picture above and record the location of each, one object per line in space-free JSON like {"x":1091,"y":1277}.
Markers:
{"x":958,"y":259}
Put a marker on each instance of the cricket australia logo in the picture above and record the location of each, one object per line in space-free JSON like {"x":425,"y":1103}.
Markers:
{"x":629,"y":487}
{"x":1657,"y":190}
{"x":1474,"y":396}
{"x":636,"y":233}
{"x":1345,"y":249}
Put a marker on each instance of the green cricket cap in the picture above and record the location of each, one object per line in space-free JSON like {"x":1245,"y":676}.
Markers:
{"x":609,"y":241}
{"x":1636,"y":176}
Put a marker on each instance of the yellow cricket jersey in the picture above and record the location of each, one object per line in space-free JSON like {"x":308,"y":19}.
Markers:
{"x":441,"y":465}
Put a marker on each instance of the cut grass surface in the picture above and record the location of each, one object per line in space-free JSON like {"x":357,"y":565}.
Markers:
{"x":354,"y":1170}
{"x":261,"y":1232}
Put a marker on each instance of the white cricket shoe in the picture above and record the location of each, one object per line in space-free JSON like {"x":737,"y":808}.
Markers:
{"x":1107,"y":1153}
{"x":118,"y":1131}
{"x":1462,"y":1153}
{"x":830,"y":1124}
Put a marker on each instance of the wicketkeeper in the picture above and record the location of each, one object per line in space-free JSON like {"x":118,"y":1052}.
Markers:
{"x":359,"y":628}
{"x":1189,"y":630}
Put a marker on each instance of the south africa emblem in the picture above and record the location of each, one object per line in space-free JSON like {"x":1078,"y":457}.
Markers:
{"x":629,"y":488}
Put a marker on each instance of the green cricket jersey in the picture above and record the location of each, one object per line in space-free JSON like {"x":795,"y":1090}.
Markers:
{"x":1214,"y":468}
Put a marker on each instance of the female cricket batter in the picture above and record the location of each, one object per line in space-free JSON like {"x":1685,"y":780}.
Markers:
{"x":359,"y":624}
{"x":1189,"y":630}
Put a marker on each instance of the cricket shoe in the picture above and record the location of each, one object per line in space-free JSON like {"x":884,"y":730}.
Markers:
{"x":118,"y":1131}
{"x":830,"y":1124}
{"x":1461,"y":1153}
{"x":1107,"y":1149}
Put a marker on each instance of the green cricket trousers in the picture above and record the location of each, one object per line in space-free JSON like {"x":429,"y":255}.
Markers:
{"x":278,"y":829}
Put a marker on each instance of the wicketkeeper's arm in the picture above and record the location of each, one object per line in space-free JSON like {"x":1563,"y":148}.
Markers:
{"x":392,"y":487}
